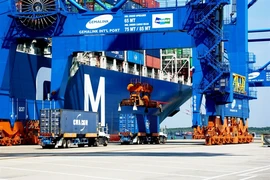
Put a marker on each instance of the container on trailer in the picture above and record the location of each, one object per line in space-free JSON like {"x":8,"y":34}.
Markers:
{"x":143,"y":123}
{"x":62,"y":121}
{"x":153,"y":123}
{"x":128,"y":123}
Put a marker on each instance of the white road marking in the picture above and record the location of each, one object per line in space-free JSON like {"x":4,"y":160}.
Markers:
{"x":252,"y":172}
{"x":239,"y":172}
{"x":59,"y":173}
{"x":111,"y":169}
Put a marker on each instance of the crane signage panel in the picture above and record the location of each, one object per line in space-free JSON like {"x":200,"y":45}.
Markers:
{"x":259,"y":76}
{"x":128,"y":23}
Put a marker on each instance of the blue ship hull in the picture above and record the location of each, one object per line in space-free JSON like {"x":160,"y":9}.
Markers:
{"x":90,"y":89}
{"x":93,"y":88}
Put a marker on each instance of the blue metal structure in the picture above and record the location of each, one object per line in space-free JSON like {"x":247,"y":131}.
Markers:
{"x":74,"y":28}
{"x":259,"y":77}
{"x":223,"y":56}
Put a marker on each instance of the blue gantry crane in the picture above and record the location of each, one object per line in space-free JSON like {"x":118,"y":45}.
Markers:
{"x":221,"y":70}
{"x":221,"y":49}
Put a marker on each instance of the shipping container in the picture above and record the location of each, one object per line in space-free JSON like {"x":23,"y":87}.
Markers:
{"x":152,"y":62}
{"x":140,"y":128}
{"x":153,"y":123}
{"x":153,"y":52}
{"x":151,"y":4}
{"x":115,"y":54}
{"x":65,"y":128}
{"x":128,"y":123}
{"x":135,"y":57}
{"x":148,"y":3}
{"x":61,"y":121}
{"x":131,"y":5}
{"x":97,"y":7}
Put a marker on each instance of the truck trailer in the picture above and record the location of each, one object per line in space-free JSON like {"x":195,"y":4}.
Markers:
{"x":140,"y":129}
{"x":65,"y":128}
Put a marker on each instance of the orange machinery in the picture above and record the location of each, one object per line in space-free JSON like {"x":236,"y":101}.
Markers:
{"x":140,"y":95}
{"x":20,"y":133}
{"x":232,"y":131}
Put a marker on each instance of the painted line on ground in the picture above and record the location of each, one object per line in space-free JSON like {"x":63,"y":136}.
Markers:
{"x":59,"y":173}
{"x":238,"y":172}
{"x":111,"y":169}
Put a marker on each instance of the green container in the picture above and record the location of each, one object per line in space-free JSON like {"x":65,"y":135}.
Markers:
{"x":179,"y":52}
{"x":99,"y":8}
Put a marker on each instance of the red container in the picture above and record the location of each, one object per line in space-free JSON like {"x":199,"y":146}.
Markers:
{"x":147,"y":3}
{"x":152,"y":62}
{"x":151,"y":4}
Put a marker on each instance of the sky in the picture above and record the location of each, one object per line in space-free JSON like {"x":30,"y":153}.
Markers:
{"x":258,"y":18}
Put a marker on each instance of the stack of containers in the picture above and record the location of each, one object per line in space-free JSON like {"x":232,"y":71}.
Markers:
{"x":131,"y":5}
{"x":153,"y":61}
{"x":148,"y":3}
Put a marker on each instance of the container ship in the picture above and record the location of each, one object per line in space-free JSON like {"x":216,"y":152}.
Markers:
{"x":98,"y":81}
{"x":102,"y":79}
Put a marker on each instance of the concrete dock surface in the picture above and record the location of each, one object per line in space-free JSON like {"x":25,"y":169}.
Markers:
{"x":176,"y":160}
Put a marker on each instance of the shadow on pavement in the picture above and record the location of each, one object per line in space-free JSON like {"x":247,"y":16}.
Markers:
{"x":95,"y":154}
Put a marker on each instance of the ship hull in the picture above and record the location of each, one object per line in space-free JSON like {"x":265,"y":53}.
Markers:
{"x":102,"y":90}
{"x":90,"y":88}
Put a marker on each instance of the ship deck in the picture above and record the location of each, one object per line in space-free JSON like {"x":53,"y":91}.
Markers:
{"x":178,"y":159}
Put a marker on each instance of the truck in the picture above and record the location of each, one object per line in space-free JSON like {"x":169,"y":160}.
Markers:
{"x":64,"y":128}
{"x":140,"y":129}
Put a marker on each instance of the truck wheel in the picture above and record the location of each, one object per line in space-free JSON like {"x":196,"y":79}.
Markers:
{"x":68,"y":144}
{"x":164,"y":140}
{"x":158,"y":140}
{"x":64,"y":142}
{"x":96,"y":143}
{"x":139,"y":140}
{"x":105,"y":142}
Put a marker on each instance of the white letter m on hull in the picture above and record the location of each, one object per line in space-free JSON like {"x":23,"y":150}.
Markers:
{"x":100,"y":97}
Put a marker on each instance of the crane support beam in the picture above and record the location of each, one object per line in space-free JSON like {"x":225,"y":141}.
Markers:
{"x":258,"y":30}
{"x":122,"y":42}
{"x":252,"y":3}
{"x":259,"y":40}
{"x":103,"y":23}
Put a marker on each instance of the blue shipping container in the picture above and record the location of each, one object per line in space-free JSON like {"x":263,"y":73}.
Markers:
{"x":60,"y":121}
{"x":128,"y":123}
{"x":135,"y":57}
{"x":115,"y":54}
{"x":153,"y":52}
{"x":80,"y":122}
{"x":153,"y":123}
